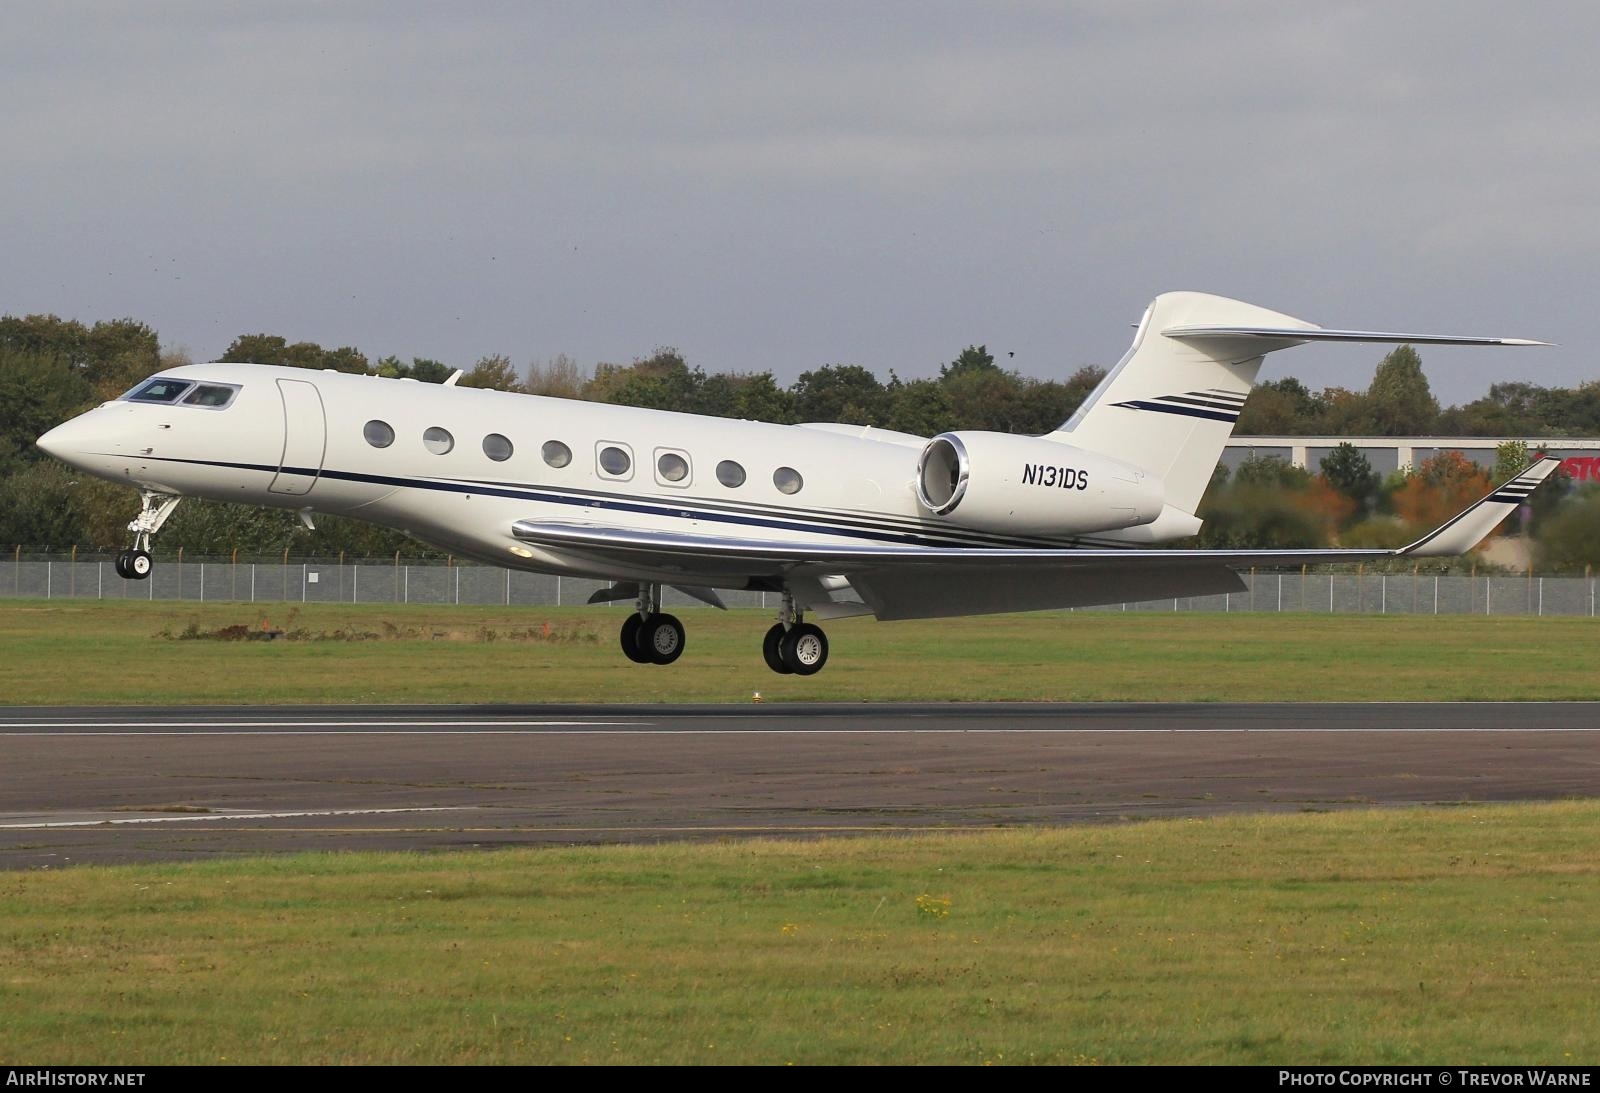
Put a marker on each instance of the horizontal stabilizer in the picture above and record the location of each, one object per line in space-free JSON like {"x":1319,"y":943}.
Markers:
{"x":1170,"y":404}
{"x":1317,"y":334}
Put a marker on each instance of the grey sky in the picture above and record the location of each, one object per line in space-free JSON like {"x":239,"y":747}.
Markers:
{"x":783,"y":186}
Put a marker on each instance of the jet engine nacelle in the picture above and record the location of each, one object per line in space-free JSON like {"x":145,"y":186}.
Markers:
{"x":1031,"y":486}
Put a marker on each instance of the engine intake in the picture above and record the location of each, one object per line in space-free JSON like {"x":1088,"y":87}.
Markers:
{"x":1031,"y":486}
{"x":942,"y":474}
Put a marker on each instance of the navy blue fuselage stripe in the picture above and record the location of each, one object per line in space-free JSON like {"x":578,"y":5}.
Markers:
{"x":1184,"y":411}
{"x":881,"y":522}
{"x":603,"y":502}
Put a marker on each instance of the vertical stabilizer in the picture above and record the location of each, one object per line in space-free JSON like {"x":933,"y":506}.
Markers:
{"x":1170,"y":404}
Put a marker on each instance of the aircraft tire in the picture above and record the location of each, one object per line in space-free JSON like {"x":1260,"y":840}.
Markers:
{"x":661,"y":639}
{"x":630,"y":639}
{"x":139,"y":564}
{"x":122,"y":566}
{"x":805,"y":649}
{"x":771,"y":651}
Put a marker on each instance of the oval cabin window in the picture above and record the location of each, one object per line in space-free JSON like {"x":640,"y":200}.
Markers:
{"x":615,"y":461}
{"x":556,"y":453}
{"x":730,"y":474}
{"x":787,"y":479}
{"x":497,"y":447}
{"x":672,"y":467}
{"x":437,"y":440}
{"x":378,"y":433}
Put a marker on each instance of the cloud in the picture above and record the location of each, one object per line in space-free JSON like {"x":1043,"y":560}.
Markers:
{"x":1428,"y":158}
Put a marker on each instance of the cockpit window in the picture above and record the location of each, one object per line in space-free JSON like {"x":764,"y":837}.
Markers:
{"x":212,"y":395}
{"x":159,"y":390}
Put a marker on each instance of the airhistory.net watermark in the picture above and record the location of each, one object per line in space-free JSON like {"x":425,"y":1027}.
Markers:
{"x":47,"y":1078}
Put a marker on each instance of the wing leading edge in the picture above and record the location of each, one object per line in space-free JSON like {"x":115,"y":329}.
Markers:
{"x":897,"y":581}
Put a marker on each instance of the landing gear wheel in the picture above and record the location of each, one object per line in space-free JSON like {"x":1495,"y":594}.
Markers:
{"x":630,"y":639}
{"x":804,"y":649}
{"x":770,"y":651}
{"x":134,"y":563}
{"x":661,"y":639}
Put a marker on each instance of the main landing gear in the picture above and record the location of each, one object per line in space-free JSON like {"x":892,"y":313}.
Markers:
{"x":791,"y":647}
{"x":648,"y":636}
{"x":134,"y":564}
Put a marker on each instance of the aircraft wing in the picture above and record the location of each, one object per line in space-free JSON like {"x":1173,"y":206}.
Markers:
{"x":897,"y":581}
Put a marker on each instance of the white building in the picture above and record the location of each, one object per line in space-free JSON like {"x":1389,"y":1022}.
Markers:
{"x":1581,"y":457}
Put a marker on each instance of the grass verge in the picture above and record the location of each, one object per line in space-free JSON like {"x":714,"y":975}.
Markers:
{"x":64,"y":652}
{"x":1466,"y":935}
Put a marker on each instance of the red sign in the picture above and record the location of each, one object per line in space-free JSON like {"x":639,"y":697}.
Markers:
{"x":1582,"y":468}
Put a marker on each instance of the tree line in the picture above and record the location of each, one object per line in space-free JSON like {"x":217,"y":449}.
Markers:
{"x":53,"y":368}
{"x":1399,"y":402}
{"x":970,"y":392}
{"x":975,"y":392}
{"x":1266,"y":503}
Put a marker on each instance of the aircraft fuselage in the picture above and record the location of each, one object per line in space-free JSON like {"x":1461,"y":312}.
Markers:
{"x":463,"y":465}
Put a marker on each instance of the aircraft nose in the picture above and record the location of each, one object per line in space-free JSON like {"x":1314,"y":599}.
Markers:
{"x":53,"y":442}
{"x":67,"y":441}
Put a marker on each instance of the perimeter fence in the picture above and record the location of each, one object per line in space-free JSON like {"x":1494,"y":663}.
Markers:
{"x":1345,"y":591}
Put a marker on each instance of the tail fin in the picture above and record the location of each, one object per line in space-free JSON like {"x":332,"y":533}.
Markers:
{"x":1170,"y":404}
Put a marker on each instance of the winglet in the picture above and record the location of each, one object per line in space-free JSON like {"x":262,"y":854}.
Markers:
{"x":1468,"y":529}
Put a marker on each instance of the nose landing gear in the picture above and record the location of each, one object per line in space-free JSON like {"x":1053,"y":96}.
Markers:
{"x":134,"y":564}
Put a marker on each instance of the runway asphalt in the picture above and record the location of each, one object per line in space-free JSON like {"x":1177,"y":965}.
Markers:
{"x":108,"y":784}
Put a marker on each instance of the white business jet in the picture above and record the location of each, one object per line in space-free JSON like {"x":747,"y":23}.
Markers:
{"x":839,"y":520}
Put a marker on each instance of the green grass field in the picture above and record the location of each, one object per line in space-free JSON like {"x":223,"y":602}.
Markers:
{"x":112,"y":652}
{"x":1462,"y":935}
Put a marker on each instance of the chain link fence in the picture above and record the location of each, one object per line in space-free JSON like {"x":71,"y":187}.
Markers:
{"x":319,"y":581}
{"x":1355,"y":593}
{"x":310,"y":581}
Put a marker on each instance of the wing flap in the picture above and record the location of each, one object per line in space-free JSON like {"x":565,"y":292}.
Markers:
{"x":923,"y":593}
{"x":775,"y":557}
